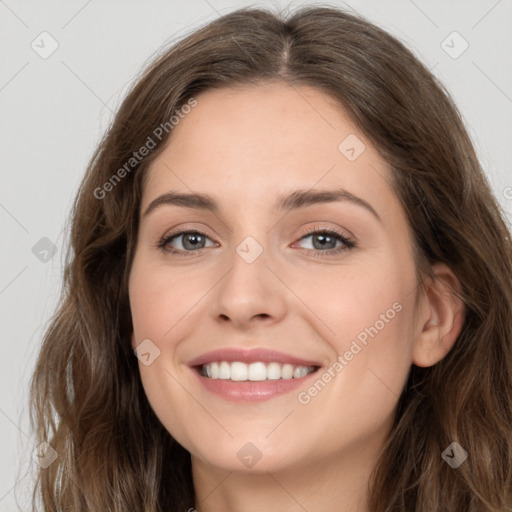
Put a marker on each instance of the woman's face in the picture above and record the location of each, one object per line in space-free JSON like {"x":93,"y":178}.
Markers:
{"x":295,"y":286}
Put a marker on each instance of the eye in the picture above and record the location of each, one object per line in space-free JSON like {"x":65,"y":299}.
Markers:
{"x":190,"y":242}
{"x":325,"y":241}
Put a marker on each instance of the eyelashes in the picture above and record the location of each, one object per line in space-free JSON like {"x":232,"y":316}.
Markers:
{"x":168,"y":239}
{"x":323,"y":235}
{"x":333,"y":234}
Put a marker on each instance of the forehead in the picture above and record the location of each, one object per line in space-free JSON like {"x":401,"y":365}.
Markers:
{"x":253,"y":142}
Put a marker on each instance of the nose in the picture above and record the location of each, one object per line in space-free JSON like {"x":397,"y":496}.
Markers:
{"x":249,"y":294}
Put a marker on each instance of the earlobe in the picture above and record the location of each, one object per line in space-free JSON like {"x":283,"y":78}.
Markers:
{"x":441,"y":319}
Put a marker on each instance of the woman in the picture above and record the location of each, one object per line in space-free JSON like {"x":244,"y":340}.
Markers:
{"x":288,"y":226}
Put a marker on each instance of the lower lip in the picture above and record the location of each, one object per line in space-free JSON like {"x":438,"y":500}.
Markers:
{"x":251,"y":391}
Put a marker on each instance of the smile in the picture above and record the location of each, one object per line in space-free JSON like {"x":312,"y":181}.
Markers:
{"x":258,"y":371}
{"x":247,"y":375}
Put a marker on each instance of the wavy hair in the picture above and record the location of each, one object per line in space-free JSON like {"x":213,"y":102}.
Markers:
{"x":87,"y":400}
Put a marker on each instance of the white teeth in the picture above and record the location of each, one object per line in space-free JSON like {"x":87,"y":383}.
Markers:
{"x":238,"y":371}
{"x":224,"y":370}
{"x":257,"y":371}
{"x":273,"y":371}
{"x":287,"y":371}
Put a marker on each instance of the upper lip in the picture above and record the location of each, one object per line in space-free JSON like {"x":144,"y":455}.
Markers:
{"x":250,"y":356}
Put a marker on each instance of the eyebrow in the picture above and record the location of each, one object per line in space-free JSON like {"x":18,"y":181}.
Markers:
{"x":295,"y":200}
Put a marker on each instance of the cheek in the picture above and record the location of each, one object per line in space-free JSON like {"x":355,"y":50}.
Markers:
{"x":165,"y":304}
{"x":366,"y":315}
{"x":372,"y":350}
{"x":355,"y":300}
{"x":157,"y":308}
{"x":160,"y":299}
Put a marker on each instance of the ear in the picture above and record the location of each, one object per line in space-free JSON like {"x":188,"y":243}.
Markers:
{"x":133,"y":341}
{"x":440,"y":319}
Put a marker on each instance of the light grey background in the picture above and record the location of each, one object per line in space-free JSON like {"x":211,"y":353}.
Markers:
{"x":54,"y":110}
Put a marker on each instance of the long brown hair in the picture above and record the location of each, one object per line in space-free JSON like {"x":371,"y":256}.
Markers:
{"x":87,"y":400}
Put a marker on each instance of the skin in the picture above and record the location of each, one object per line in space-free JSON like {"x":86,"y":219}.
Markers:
{"x":247,"y":146}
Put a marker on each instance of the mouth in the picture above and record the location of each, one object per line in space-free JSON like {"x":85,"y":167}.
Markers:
{"x":249,"y":375}
{"x":237,"y":371}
